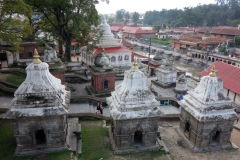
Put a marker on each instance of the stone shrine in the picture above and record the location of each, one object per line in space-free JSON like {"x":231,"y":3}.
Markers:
{"x":102,"y":75}
{"x":166,"y":74}
{"x":207,"y":115}
{"x":135,"y":113}
{"x":181,"y":84}
{"x":39,"y":111}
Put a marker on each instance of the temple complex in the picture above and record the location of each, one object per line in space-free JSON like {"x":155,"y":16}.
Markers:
{"x":119,"y":55}
{"x":39,"y":111}
{"x":207,"y":115}
{"x":135,"y":113}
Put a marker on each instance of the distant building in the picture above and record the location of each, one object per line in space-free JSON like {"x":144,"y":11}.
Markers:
{"x":227,"y":32}
{"x":200,"y":41}
{"x":137,"y":32}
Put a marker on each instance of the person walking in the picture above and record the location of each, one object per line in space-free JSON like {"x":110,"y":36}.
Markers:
{"x":86,"y":73}
{"x":98,"y":107}
{"x":101,"y":108}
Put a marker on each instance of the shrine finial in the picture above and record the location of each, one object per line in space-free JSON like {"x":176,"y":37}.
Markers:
{"x":213,"y":72}
{"x":135,"y":65}
{"x":36,"y":57}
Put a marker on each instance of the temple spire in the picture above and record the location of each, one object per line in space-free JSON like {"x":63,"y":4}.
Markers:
{"x":36,"y":57}
{"x":213,"y":72}
{"x":135,"y":65}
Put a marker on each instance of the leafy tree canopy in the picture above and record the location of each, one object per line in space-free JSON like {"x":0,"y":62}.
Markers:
{"x":13,"y":22}
{"x":68,"y":20}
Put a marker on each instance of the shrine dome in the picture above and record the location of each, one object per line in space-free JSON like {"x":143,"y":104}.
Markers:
{"x":101,"y":60}
{"x":105,"y":27}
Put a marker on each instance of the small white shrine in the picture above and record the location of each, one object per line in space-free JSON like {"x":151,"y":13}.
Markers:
{"x":39,"y":111}
{"x":166,"y":73}
{"x":181,"y":84}
{"x":207,"y":115}
{"x":135,"y":113}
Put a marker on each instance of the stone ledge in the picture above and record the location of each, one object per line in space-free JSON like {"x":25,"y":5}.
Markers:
{"x":42,"y":151}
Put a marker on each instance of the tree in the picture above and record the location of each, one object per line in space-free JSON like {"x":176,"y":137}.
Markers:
{"x":69,"y":19}
{"x":237,"y":40}
{"x":13,"y":22}
{"x":122,"y":16}
{"x":135,"y":18}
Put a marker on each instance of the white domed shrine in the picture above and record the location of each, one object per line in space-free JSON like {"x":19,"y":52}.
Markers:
{"x":207,"y":115}
{"x":166,"y":73}
{"x":39,"y":111}
{"x":135,"y":113}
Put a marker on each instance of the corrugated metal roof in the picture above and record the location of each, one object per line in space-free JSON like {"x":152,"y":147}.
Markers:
{"x":228,"y":73}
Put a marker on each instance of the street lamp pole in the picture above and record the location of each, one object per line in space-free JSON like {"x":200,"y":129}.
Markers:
{"x":149,"y":55}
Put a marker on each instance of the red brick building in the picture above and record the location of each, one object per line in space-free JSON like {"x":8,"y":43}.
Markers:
{"x":136,"y":32}
{"x":102,"y":81}
{"x":227,"y":32}
{"x":196,"y":40}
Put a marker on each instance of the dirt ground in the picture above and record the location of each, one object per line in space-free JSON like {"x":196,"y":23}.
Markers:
{"x":179,"y":149}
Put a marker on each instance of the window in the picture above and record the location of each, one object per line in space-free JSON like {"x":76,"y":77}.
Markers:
{"x":113,"y":59}
{"x":126,"y":57}
{"x":119,"y":58}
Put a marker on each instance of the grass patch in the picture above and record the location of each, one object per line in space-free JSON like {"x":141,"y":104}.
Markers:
{"x":8,"y":145}
{"x":16,"y":78}
{"x":165,"y":41}
{"x":95,"y":142}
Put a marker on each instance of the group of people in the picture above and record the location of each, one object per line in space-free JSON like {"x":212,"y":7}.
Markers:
{"x":99,"y":108}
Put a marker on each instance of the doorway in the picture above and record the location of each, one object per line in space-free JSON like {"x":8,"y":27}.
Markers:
{"x":215,"y":138}
{"x":138,"y":138}
{"x":40,"y":137}
{"x":187,"y":126}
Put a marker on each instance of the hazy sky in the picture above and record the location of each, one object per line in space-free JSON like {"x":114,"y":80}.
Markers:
{"x":141,"y":6}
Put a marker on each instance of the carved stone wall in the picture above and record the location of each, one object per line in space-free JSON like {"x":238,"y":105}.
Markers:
{"x":124,"y":131}
{"x":202,"y":135}
{"x":53,"y":132}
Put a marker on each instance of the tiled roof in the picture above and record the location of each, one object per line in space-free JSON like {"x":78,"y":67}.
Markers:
{"x":228,"y":73}
{"x":116,"y":28}
{"x":120,"y":49}
{"x":137,"y":30}
{"x":222,"y":30}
